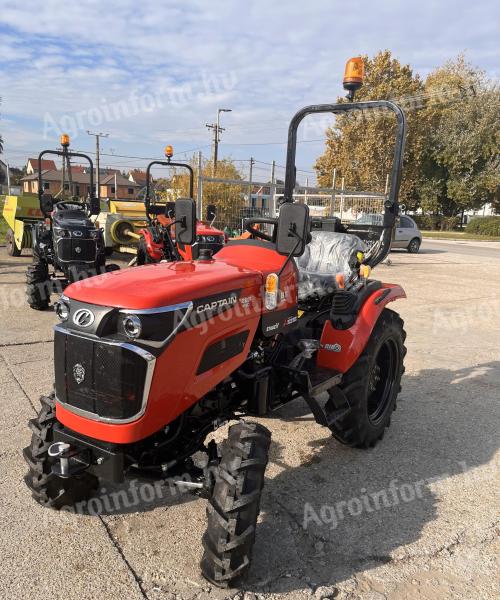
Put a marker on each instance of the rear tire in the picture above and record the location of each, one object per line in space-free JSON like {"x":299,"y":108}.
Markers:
{"x":46,"y":488}
{"x":370,"y":386}
{"x":12,"y":249}
{"x":414,"y":246}
{"x":143,"y":257}
{"x":38,"y":285}
{"x":234,"y":504}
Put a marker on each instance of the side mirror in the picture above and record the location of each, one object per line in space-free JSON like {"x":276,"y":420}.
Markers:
{"x":46,"y":204}
{"x":94,"y":206}
{"x":185,"y":217}
{"x":293,"y":229}
{"x":211,"y":212}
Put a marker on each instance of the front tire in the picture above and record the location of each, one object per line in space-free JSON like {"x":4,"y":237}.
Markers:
{"x":12,"y":249}
{"x":234,"y":504}
{"x":143,"y":257}
{"x":38,"y":285}
{"x":370,"y":386}
{"x":46,"y":488}
{"x":414,"y":246}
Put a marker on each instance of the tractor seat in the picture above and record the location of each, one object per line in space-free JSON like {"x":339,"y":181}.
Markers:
{"x":328,"y":254}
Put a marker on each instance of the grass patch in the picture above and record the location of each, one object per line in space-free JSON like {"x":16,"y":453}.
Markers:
{"x":459,"y":235}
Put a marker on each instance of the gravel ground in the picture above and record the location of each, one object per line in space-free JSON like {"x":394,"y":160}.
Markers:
{"x":432,"y":534}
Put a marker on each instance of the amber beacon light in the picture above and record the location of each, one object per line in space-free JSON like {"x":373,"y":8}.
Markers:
{"x":353,"y":76}
{"x":64,"y":139}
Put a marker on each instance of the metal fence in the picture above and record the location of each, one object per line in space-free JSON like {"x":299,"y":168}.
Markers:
{"x":236,"y":200}
{"x":257,"y":188}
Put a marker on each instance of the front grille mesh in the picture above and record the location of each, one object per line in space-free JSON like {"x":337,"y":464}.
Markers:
{"x":75,"y":249}
{"x":99,"y":378}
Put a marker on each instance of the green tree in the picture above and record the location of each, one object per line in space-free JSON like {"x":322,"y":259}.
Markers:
{"x":460,"y":164}
{"x":360,"y":145}
{"x":225,"y":196}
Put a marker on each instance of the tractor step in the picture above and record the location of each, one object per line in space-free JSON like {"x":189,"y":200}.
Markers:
{"x":323,"y":379}
{"x":312,"y":384}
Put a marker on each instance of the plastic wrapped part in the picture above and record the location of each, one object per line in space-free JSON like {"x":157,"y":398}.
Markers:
{"x":328,"y":254}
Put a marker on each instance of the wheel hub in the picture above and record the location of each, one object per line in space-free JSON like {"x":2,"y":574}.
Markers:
{"x":381,"y":381}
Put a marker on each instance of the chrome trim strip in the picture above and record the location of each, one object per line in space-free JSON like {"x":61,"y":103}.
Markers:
{"x":180,"y":324}
{"x":159,"y":309}
{"x":144,"y":354}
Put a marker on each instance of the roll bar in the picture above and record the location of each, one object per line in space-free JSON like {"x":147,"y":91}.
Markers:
{"x":65,"y":153}
{"x":391,"y":204}
{"x":166,"y":163}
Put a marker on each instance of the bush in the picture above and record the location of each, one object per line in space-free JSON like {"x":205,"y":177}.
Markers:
{"x":426,"y":222}
{"x":484,"y":226}
{"x":449,"y":223}
{"x":434,"y":222}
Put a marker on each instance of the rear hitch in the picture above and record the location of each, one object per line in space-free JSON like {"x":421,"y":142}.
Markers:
{"x":72,"y":460}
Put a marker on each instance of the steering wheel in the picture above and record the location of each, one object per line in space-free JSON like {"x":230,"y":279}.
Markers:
{"x":257,"y":232}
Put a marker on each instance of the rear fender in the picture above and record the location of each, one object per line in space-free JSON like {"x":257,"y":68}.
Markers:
{"x":340,"y":349}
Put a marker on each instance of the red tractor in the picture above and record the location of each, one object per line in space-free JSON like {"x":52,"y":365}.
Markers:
{"x":158,"y":242}
{"x":149,"y":361}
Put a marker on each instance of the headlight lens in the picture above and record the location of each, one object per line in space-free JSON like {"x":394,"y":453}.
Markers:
{"x":62,"y":310}
{"x":132,"y":326}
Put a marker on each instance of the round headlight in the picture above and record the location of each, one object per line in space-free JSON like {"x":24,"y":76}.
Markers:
{"x":132,"y":326}
{"x":62,"y":310}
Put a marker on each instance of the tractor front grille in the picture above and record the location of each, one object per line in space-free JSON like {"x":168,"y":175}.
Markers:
{"x":99,"y":379}
{"x":76,"y":249}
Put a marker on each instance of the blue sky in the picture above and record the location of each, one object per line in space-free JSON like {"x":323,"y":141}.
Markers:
{"x":151,"y":73}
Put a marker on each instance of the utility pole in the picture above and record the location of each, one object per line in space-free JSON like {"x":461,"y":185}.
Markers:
{"x":332,"y":202}
{"x":272,"y":207}
{"x":250,"y":184}
{"x":199,"y":203}
{"x":97,"y":149}
{"x":217,"y":130}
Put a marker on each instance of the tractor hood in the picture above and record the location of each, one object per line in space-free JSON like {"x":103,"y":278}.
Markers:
{"x":163,"y":284}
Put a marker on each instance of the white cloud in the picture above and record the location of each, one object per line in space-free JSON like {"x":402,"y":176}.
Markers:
{"x":66,"y":58}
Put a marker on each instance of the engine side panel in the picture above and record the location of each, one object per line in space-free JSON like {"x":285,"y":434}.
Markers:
{"x":340,"y":349}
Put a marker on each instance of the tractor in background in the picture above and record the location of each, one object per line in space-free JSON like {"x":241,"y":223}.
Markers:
{"x":67,"y":245}
{"x":157,"y":241}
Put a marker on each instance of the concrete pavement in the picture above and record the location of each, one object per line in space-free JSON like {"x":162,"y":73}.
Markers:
{"x":434,"y":535}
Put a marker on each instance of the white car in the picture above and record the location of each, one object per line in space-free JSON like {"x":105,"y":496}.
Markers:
{"x":406,"y":233}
